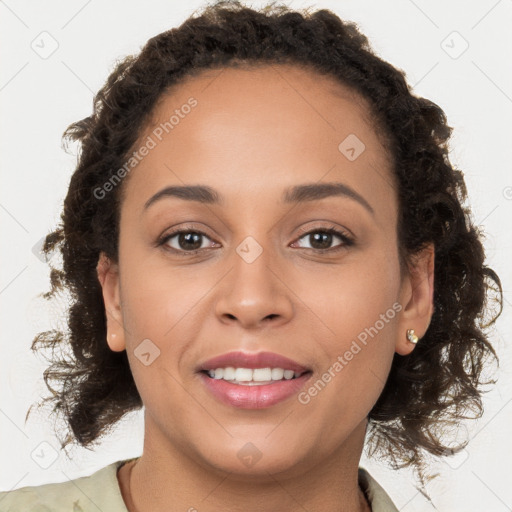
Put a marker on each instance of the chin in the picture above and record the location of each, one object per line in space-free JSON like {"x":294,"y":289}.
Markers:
{"x":259,"y":458}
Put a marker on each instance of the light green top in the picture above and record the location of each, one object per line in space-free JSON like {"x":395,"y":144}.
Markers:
{"x":100,"y":492}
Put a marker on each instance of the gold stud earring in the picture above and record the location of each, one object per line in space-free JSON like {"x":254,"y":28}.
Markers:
{"x":411,"y":336}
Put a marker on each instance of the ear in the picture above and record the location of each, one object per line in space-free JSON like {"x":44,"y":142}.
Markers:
{"x":417,"y":299}
{"x":108,"y":276}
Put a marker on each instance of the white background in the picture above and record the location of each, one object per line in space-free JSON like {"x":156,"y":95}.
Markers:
{"x":41,"y":97}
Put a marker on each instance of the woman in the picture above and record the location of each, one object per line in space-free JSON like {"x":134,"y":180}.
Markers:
{"x":266,"y":246}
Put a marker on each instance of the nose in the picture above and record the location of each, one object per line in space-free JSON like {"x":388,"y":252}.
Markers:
{"x":255,"y":294}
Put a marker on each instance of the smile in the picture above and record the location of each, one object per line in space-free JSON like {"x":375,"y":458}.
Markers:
{"x":252,"y":380}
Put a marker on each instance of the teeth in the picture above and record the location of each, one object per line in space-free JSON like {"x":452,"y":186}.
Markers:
{"x":277,"y":373}
{"x":243,"y":374}
{"x":251,"y":376}
{"x":261,"y":374}
{"x":288,"y":374}
{"x":229,"y":373}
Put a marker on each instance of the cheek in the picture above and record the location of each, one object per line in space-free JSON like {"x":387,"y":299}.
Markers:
{"x":355,"y":310}
{"x":157,"y":329}
{"x":157,"y":294}
{"x":345,"y":299}
{"x":163,"y":313}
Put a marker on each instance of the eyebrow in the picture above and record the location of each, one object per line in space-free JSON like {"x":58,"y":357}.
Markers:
{"x":297,"y":194}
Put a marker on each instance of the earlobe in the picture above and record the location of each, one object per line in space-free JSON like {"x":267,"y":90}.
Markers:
{"x":417,"y":299}
{"x":108,"y":276}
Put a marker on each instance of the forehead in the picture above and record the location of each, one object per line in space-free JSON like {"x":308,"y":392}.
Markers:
{"x":268,"y":93}
{"x":261,"y":129}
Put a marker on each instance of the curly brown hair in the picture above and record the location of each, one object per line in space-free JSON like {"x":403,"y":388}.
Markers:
{"x":433,"y":387}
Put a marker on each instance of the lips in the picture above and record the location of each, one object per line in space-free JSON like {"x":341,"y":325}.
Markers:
{"x":264,"y":395}
{"x":254,"y":397}
{"x":240,"y":359}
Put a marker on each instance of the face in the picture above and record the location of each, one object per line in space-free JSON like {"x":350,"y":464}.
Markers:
{"x":258,"y":263}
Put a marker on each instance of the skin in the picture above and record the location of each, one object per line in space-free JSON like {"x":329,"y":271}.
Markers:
{"x":254,"y":133}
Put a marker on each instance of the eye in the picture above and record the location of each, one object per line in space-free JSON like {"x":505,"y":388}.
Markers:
{"x":185,"y":241}
{"x":320,"y":239}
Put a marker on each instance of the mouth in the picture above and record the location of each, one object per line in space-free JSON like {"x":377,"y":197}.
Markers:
{"x":253,"y":380}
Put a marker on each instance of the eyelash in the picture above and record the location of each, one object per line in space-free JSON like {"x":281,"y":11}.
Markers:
{"x":347,"y":240}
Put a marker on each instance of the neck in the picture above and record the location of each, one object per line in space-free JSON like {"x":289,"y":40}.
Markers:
{"x":171,"y":481}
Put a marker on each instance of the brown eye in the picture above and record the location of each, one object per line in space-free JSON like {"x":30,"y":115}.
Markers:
{"x":322,"y":239}
{"x":186,"y":241}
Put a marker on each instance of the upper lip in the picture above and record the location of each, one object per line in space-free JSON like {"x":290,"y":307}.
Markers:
{"x":239,"y":359}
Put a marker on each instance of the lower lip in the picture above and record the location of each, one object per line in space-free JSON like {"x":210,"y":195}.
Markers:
{"x":254,"y":397}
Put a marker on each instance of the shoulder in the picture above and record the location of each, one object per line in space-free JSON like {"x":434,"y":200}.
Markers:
{"x":377,"y":496}
{"x":99,"y":491}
